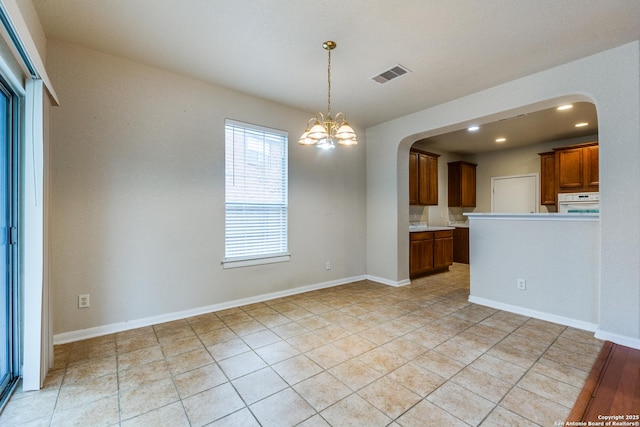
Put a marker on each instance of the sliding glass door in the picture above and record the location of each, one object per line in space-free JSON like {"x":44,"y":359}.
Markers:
{"x":8,"y":237}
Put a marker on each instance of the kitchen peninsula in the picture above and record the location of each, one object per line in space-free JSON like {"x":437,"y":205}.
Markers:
{"x":545,"y":266}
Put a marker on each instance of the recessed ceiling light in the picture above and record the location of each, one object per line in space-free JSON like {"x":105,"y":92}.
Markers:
{"x":473,"y":128}
{"x":501,"y":139}
{"x":565,"y":107}
{"x":581,"y":125}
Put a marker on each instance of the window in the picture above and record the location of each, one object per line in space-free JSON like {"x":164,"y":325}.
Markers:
{"x":256,"y":183}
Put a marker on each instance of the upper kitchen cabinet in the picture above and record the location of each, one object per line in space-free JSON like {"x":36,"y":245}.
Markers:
{"x":592,"y":168}
{"x":577,"y":168}
{"x":548,"y":178}
{"x":423,"y":178}
{"x":462,"y":184}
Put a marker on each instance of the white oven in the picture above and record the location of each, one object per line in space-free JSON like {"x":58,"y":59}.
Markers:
{"x":578,"y":202}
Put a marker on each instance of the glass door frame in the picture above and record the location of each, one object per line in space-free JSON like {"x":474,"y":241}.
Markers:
{"x":13,"y":294}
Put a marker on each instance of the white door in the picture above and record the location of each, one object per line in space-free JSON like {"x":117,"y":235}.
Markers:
{"x":515,"y":194}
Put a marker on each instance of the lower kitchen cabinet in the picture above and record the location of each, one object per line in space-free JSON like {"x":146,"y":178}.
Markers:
{"x":421,"y":253}
{"x":442,"y":249}
{"x":430,"y":252}
{"x":461,"y":245}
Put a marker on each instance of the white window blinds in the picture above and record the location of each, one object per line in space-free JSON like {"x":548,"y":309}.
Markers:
{"x":256,"y":186}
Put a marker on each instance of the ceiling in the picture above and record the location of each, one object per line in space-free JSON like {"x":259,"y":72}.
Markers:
{"x":273,"y":48}
{"x":545,"y":125}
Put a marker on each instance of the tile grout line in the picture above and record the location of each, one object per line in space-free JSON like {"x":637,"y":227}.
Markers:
{"x":450,"y":304}
{"x":522,"y":376}
{"x":55,"y":405}
{"x":173,"y":377}
{"x":449,"y":379}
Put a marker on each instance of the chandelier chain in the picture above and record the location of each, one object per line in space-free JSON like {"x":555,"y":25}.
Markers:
{"x":329,"y":84}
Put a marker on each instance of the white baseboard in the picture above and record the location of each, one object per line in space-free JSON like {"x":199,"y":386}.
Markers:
{"x":618,"y":339}
{"x":97,"y":331}
{"x":389,"y":282}
{"x":549,"y":317}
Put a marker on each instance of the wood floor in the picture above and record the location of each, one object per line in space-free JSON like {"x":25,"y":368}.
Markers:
{"x":612,"y":389}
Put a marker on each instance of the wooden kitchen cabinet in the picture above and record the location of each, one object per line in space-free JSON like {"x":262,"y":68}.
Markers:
{"x":442,"y":249}
{"x":462,"y":184}
{"x":461,"y":245}
{"x":572,"y":169}
{"x":421,"y":253}
{"x":548,"y":178}
{"x":592,"y":168}
{"x":413,"y":178}
{"x":570,"y":172}
{"x":430,"y":252}
{"x":577,"y":168}
{"x":423,"y":178}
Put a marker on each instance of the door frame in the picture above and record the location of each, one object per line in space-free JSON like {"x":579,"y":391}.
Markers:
{"x":14,"y":295}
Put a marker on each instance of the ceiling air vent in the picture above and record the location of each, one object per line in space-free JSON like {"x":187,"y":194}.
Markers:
{"x":390,"y":74}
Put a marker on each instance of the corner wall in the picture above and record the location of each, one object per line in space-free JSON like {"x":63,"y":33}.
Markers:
{"x":612,"y":80}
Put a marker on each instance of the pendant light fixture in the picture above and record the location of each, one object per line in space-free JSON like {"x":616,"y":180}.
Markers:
{"x":324,"y":131}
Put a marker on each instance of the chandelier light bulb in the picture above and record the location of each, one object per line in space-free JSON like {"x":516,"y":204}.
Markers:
{"x":318,"y":131}
{"x":345,"y":131}
{"x":305,"y":140}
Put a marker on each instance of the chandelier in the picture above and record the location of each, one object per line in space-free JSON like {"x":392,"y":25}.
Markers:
{"x":324,"y":131}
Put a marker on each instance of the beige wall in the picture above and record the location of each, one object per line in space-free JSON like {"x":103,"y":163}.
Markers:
{"x":137,"y":194}
{"x":611,"y":80}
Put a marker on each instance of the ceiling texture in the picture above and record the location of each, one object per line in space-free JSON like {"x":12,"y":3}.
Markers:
{"x":273,"y":48}
{"x":545,"y":125}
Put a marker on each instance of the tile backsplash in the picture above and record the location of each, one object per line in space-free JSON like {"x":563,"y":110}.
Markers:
{"x":436,"y":215}
{"x":418,"y":214}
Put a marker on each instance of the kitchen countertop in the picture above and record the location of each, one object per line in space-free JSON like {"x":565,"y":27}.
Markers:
{"x":541,"y":216}
{"x":459,"y":224}
{"x":415,"y":228}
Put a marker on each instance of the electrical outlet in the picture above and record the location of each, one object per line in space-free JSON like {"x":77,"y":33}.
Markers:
{"x":327,"y":265}
{"x":83,"y":301}
{"x":521,"y":284}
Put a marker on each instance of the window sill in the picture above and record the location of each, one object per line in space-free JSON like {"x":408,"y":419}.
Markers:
{"x":248,"y":262}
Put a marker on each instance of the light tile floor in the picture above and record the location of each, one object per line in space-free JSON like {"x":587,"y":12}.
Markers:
{"x":362,"y":354}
